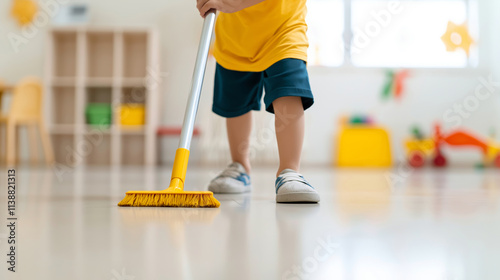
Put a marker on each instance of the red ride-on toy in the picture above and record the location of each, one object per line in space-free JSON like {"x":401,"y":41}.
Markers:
{"x":419,"y":148}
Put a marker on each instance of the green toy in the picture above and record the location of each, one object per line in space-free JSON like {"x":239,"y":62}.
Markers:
{"x":98,"y":114}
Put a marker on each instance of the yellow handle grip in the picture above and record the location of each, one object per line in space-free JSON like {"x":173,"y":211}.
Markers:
{"x":179,"y":170}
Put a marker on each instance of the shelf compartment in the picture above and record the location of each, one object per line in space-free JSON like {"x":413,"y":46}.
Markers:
{"x":99,"y":95}
{"x":99,"y":147}
{"x":63,"y":105}
{"x":100,"y":55}
{"x":135,"y":54}
{"x":98,"y":106}
{"x":65,"y":152}
{"x":133,"y":149}
{"x":62,"y":129}
{"x":64,"y":54}
{"x":132,"y":109}
{"x":133,"y":95}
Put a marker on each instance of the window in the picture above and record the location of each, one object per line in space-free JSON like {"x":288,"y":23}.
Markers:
{"x":325,"y":21}
{"x":383,"y":33}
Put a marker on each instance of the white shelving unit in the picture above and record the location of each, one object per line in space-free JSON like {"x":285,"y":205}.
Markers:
{"x":104,"y":65}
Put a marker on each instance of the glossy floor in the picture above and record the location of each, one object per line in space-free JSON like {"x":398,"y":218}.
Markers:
{"x":370,"y":224}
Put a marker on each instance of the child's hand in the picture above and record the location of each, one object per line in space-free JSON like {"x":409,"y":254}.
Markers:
{"x":225,"y":6}
{"x":204,"y":6}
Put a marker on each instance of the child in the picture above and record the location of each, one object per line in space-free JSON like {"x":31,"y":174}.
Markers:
{"x":262,"y":44}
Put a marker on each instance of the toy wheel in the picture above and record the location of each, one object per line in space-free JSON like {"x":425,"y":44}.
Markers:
{"x":439,"y":160}
{"x":497,"y":161}
{"x":416,"y":159}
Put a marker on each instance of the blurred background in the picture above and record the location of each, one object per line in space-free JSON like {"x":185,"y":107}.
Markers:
{"x":394,"y":82}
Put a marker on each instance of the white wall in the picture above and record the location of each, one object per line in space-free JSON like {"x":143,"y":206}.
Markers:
{"x":429,"y":93}
{"x":495,"y":50}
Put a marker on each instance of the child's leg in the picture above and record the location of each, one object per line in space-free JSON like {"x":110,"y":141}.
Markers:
{"x":288,"y":94}
{"x":236,"y":94}
{"x":238,"y":134}
{"x":289,"y":123}
{"x":290,"y":185}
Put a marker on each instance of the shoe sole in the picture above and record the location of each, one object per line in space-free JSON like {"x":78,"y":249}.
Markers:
{"x":232,"y":190}
{"x":298,"y":197}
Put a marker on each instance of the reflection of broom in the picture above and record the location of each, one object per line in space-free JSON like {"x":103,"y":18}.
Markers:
{"x":174,"y":195}
{"x":177,"y":220}
{"x":174,"y":217}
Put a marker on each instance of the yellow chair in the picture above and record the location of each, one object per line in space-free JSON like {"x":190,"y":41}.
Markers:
{"x":26,"y":109}
{"x":2,"y":88}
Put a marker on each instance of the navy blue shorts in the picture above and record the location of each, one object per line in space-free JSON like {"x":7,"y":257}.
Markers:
{"x":237,"y":93}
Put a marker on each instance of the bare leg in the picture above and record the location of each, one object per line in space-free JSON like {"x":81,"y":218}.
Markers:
{"x":289,"y":123}
{"x":238,"y":134}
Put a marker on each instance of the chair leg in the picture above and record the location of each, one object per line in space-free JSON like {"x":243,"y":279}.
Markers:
{"x":47,"y":144}
{"x":33,"y":143}
{"x":17,"y":160}
{"x":11,"y":143}
{"x":2,"y":143}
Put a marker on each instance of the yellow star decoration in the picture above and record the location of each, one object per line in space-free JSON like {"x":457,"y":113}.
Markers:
{"x":24,"y":11}
{"x":457,"y":37}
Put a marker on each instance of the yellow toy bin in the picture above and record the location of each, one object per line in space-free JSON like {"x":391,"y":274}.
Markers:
{"x":363,"y":146}
{"x":132,"y":114}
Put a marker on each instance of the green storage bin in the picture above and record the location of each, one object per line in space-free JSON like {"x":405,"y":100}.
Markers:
{"x":98,"y":114}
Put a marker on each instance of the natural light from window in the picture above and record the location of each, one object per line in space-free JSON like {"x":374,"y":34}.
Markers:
{"x":406,"y":34}
{"x":325,"y":21}
{"x":410,"y":38}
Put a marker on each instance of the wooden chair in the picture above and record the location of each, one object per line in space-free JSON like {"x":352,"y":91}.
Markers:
{"x":2,"y":86}
{"x":2,"y":89}
{"x":26,"y":109}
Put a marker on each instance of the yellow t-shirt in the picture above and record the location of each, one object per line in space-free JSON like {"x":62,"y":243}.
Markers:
{"x":259,"y":36}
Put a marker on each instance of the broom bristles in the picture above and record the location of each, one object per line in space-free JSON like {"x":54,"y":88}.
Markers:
{"x":163,"y":199}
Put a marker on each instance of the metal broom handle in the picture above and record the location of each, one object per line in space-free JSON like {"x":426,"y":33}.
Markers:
{"x":197,"y":81}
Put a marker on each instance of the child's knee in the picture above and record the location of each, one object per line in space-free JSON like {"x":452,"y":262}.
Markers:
{"x":288,"y":109}
{"x":286,"y":101}
{"x":288,"y":104}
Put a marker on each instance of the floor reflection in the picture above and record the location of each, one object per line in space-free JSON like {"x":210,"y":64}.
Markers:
{"x":363,"y":194}
{"x":434,"y":224}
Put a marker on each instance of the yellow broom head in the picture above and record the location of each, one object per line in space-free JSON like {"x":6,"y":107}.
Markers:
{"x":169,"y":199}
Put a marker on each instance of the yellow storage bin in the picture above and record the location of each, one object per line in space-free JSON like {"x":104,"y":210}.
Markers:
{"x":363,"y":146}
{"x":132,"y":114}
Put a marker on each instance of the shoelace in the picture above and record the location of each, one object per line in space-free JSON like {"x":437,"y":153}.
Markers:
{"x":230,"y":172}
{"x":288,"y":177}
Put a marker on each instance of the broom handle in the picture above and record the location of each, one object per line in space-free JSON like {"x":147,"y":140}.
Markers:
{"x":197,"y":81}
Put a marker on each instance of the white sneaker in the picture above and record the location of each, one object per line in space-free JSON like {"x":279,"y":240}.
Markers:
{"x":233,"y":179}
{"x":292,"y":187}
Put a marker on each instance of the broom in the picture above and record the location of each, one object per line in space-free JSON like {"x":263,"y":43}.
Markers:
{"x":174,"y":195}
